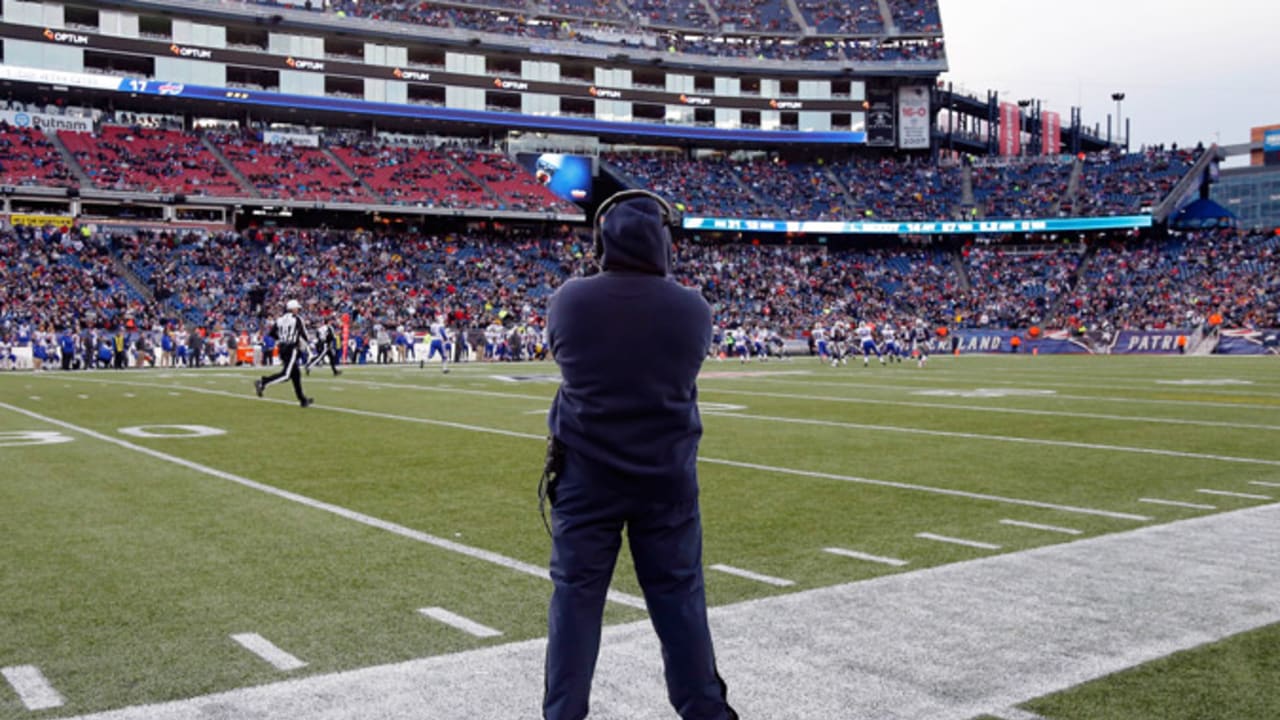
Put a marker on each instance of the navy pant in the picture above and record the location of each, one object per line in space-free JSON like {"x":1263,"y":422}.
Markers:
{"x":588,"y":518}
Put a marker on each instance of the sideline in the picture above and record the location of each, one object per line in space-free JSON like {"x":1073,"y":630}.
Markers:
{"x":951,"y":642}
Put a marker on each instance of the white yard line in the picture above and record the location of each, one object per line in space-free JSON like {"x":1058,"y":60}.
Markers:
{"x":767,"y":579}
{"x":998,"y":438}
{"x":1261,"y":483}
{"x":1053,"y":381}
{"x":983,"y":382}
{"x":32,"y":688}
{"x":1177,"y":503}
{"x":1227,"y":493}
{"x":927,"y":489}
{"x":1016,"y":714}
{"x":268,"y":651}
{"x":466,"y":625}
{"x":1038,"y":526}
{"x":866,"y":556}
{"x":957,"y":541}
{"x":406,"y":532}
{"x":703,"y":459}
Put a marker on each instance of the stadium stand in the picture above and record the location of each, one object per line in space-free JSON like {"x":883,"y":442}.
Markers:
{"x":916,"y":16}
{"x":1021,"y":189}
{"x":27,"y":158}
{"x":153,"y":160}
{"x":831,"y":17}
{"x":283,"y":170}
{"x":1129,"y":183}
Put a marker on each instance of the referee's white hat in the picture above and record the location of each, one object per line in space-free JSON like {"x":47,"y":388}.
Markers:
{"x":293,"y":305}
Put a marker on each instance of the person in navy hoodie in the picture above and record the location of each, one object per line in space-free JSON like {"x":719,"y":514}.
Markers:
{"x":629,"y":341}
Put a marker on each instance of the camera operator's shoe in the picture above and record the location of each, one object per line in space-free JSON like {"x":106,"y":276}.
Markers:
{"x":257,"y":386}
{"x":308,"y":402}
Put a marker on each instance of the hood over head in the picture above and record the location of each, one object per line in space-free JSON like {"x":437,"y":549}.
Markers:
{"x":636,"y":238}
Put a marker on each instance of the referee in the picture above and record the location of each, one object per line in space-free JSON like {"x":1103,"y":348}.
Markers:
{"x":288,"y":332}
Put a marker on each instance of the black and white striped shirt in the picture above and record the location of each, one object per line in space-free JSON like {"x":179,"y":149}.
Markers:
{"x":288,"y":330}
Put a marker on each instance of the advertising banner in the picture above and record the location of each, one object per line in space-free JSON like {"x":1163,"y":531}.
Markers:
{"x":913,"y":117}
{"x":926,"y":227}
{"x":1050,"y":133}
{"x":1249,"y":342}
{"x":1010,"y":129}
{"x":42,"y":220}
{"x":969,"y":340}
{"x":880,"y":117}
{"x":1148,"y":342}
{"x":275,"y":137}
{"x":1271,"y":147}
{"x":40,"y":121}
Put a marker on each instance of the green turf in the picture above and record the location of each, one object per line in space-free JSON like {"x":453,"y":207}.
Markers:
{"x":1234,"y":679}
{"x":126,"y":573}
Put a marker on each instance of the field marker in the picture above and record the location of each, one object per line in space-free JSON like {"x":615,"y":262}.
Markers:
{"x":866,"y":556}
{"x":406,"y":532}
{"x":1263,"y":484}
{"x":715,"y":461}
{"x":265,"y":649}
{"x":1015,"y":411}
{"x":466,"y":625}
{"x":33,"y":689}
{"x":768,"y":579}
{"x":703,"y":459}
{"x":1176,"y":503}
{"x":957,"y":541}
{"x":83,"y":397}
{"x":1224,"y":493}
{"x":1038,"y":526}
{"x":1016,"y":714}
{"x":1000,"y":438}
{"x":927,"y":489}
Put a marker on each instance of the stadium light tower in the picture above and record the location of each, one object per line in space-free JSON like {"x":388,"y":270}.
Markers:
{"x":1024,"y":124}
{"x":1119,"y":98}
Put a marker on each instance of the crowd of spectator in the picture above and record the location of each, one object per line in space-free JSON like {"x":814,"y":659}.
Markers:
{"x":916,"y":16}
{"x":771,"y":29}
{"x":288,"y":171}
{"x":1021,"y":189}
{"x":148,"y":160}
{"x":1129,"y":183}
{"x":227,"y":283}
{"x":1159,"y":284}
{"x":360,"y":169}
{"x":27,"y":158}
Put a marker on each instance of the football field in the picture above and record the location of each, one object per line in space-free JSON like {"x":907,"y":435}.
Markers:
{"x":168,"y":535}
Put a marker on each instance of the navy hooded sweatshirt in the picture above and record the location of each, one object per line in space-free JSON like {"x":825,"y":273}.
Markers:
{"x":629,"y":342}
